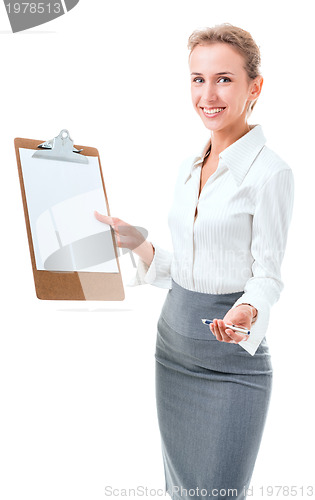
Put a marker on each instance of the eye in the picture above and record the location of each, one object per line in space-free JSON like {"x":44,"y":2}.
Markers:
{"x":198,"y":78}
{"x":225,"y":78}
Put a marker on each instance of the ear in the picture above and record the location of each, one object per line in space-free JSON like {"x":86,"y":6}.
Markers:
{"x":255,"y":87}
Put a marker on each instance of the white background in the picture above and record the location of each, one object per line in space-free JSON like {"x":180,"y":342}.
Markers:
{"x":77,"y":379}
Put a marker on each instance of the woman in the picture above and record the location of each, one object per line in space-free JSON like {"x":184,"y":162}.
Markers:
{"x":229,"y":223}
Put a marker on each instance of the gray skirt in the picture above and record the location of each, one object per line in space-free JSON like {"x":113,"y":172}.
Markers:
{"x":212,"y":399}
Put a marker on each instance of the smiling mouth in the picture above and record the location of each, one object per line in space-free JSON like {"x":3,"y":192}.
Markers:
{"x":212,"y":111}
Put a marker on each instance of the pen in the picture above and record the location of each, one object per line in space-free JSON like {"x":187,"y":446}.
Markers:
{"x":232,"y":327}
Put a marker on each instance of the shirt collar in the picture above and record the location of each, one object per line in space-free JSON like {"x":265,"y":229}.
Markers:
{"x":239,"y":156}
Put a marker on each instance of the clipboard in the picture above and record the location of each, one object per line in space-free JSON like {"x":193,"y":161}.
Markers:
{"x":59,"y":181}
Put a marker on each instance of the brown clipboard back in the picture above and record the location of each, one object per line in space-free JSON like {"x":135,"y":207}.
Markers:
{"x":76,"y":285}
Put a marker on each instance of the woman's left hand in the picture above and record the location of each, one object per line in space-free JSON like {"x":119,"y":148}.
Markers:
{"x":241,"y":316}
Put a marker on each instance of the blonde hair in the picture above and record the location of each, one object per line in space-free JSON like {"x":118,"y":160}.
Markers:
{"x":240,"y":39}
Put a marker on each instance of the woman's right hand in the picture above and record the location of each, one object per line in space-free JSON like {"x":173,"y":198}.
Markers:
{"x":127,"y":236}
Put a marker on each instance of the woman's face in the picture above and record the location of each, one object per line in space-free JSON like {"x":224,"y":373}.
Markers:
{"x":219,"y":80}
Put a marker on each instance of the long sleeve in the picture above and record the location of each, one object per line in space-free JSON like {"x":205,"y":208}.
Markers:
{"x":270,"y":226}
{"x":158,"y":273}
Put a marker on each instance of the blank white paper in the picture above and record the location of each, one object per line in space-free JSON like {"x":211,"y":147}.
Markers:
{"x":61,"y":199}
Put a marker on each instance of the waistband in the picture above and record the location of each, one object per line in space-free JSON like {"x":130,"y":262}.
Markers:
{"x":183,"y":310}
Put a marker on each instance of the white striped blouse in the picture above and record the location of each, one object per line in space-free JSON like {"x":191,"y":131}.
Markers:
{"x":237,"y":241}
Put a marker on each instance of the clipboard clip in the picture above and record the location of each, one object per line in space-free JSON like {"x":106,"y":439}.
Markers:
{"x":61,"y":149}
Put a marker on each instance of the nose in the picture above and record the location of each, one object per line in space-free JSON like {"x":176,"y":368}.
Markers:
{"x":209,"y":92}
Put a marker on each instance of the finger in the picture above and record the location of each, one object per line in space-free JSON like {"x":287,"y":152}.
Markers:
{"x":122,"y":241}
{"x":237,"y":337}
{"x":115,"y":223}
{"x":108,"y":219}
{"x":228,"y":332}
{"x":103,"y":218}
{"x":224,"y":334}
{"x":217,"y":331}
{"x":111,"y":221}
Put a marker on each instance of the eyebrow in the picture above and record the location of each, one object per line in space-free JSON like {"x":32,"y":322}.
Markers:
{"x":216,"y":74}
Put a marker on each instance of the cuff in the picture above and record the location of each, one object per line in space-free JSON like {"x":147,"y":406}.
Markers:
{"x":259,"y":327}
{"x":158,"y":273}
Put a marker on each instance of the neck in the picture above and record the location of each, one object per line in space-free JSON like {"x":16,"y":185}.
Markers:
{"x":221,"y":139}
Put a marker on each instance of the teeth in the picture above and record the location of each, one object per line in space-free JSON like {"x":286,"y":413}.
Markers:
{"x":212,"y":111}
